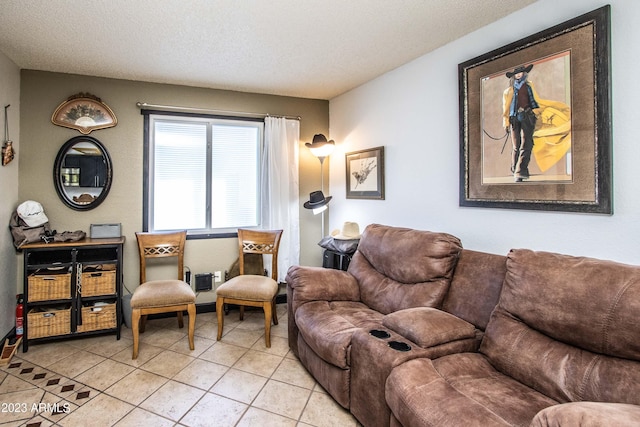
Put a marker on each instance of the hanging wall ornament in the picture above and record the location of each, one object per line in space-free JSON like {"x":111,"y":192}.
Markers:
{"x":84,"y":112}
{"x":7,"y":146}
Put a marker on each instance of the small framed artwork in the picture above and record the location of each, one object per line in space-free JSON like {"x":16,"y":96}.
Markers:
{"x":535,"y":121}
{"x":85,"y":113}
{"x":365,"y":174}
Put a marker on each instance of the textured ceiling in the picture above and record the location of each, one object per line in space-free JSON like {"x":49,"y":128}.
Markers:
{"x":304,"y":48}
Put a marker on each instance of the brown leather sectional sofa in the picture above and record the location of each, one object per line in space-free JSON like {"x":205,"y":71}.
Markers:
{"x":421,"y":332}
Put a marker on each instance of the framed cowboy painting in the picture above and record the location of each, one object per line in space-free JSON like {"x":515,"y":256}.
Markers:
{"x":535,"y":121}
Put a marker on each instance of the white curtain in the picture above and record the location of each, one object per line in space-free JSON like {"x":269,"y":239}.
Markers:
{"x":280,"y":200}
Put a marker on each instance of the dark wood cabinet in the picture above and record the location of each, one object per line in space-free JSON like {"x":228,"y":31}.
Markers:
{"x":72,"y":289}
{"x":92,"y":169}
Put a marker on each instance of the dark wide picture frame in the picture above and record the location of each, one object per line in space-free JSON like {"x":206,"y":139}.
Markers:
{"x":570,"y":166}
{"x":365,"y":174}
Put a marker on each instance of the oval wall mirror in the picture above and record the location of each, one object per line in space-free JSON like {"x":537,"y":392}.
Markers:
{"x":82,"y":173}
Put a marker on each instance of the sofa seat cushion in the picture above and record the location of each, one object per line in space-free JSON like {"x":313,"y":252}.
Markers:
{"x":460,"y":389}
{"x":588,"y":414}
{"x":327,"y":327}
{"x":428,"y":327}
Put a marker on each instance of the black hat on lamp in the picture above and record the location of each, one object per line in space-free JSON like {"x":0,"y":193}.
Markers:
{"x":320,"y":147}
{"x":317,"y":202}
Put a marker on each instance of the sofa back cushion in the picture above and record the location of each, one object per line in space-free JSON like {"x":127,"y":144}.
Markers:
{"x":400,"y":268}
{"x":568,"y":327}
{"x":475,"y":286}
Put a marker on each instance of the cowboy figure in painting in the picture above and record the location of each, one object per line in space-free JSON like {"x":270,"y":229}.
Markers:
{"x":518,"y":102}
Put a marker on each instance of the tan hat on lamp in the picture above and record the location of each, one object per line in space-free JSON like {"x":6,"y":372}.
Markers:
{"x":350,"y":231}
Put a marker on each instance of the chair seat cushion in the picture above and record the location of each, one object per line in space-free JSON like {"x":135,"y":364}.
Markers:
{"x":249,"y":287}
{"x":162,"y":293}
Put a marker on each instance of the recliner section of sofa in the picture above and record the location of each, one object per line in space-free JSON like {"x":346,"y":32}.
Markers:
{"x":396,"y":280}
{"x":393,"y":269}
{"x":564,"y":330}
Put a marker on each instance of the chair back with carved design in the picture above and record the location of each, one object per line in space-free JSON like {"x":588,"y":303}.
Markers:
{"x":266,"y":242}
{"x":161,"y":245}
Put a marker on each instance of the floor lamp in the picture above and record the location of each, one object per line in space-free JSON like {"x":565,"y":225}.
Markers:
{"x":321,"y":148}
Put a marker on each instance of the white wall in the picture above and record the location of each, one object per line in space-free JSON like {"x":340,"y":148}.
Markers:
{"x":413,"y":112}
{"x":9,"y":95}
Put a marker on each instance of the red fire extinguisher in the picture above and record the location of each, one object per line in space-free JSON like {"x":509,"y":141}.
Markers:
{"x":20,"y":316}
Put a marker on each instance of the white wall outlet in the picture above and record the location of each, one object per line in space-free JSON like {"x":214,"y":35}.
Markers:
{"x":217,"y":276}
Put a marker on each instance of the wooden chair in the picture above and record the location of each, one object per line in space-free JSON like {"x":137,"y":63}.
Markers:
{"x":161,"y":296}
{"x":253,"y":290}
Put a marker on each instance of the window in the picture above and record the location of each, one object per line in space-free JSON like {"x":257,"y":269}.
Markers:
{"x":202,"y":174}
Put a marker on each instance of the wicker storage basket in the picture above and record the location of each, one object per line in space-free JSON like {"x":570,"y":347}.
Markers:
{"x":96,"y":318}
{"x":45,"y":286}
{"x":48,"y":323}
{"x":101,"y":282}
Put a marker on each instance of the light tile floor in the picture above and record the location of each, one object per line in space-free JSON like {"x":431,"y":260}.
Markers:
{"x":233,"y":382}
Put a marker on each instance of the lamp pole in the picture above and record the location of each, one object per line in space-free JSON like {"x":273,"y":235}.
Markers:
{"x":321,"y":158}
{"x":321,"y":148}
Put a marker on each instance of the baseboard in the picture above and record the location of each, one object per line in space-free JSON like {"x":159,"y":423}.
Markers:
{"x":206,"y":307}
{"x":11,"y":334}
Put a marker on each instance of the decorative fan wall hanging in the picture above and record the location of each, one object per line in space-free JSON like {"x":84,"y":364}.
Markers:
{"x":85,"y":113}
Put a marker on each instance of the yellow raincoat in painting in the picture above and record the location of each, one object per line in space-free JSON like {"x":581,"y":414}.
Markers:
{"x":552,"y":135}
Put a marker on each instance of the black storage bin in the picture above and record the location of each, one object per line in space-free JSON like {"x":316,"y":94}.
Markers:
{"x":336,"y":260}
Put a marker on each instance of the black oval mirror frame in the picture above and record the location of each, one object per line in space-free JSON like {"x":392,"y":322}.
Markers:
{"x":79,"y":170}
